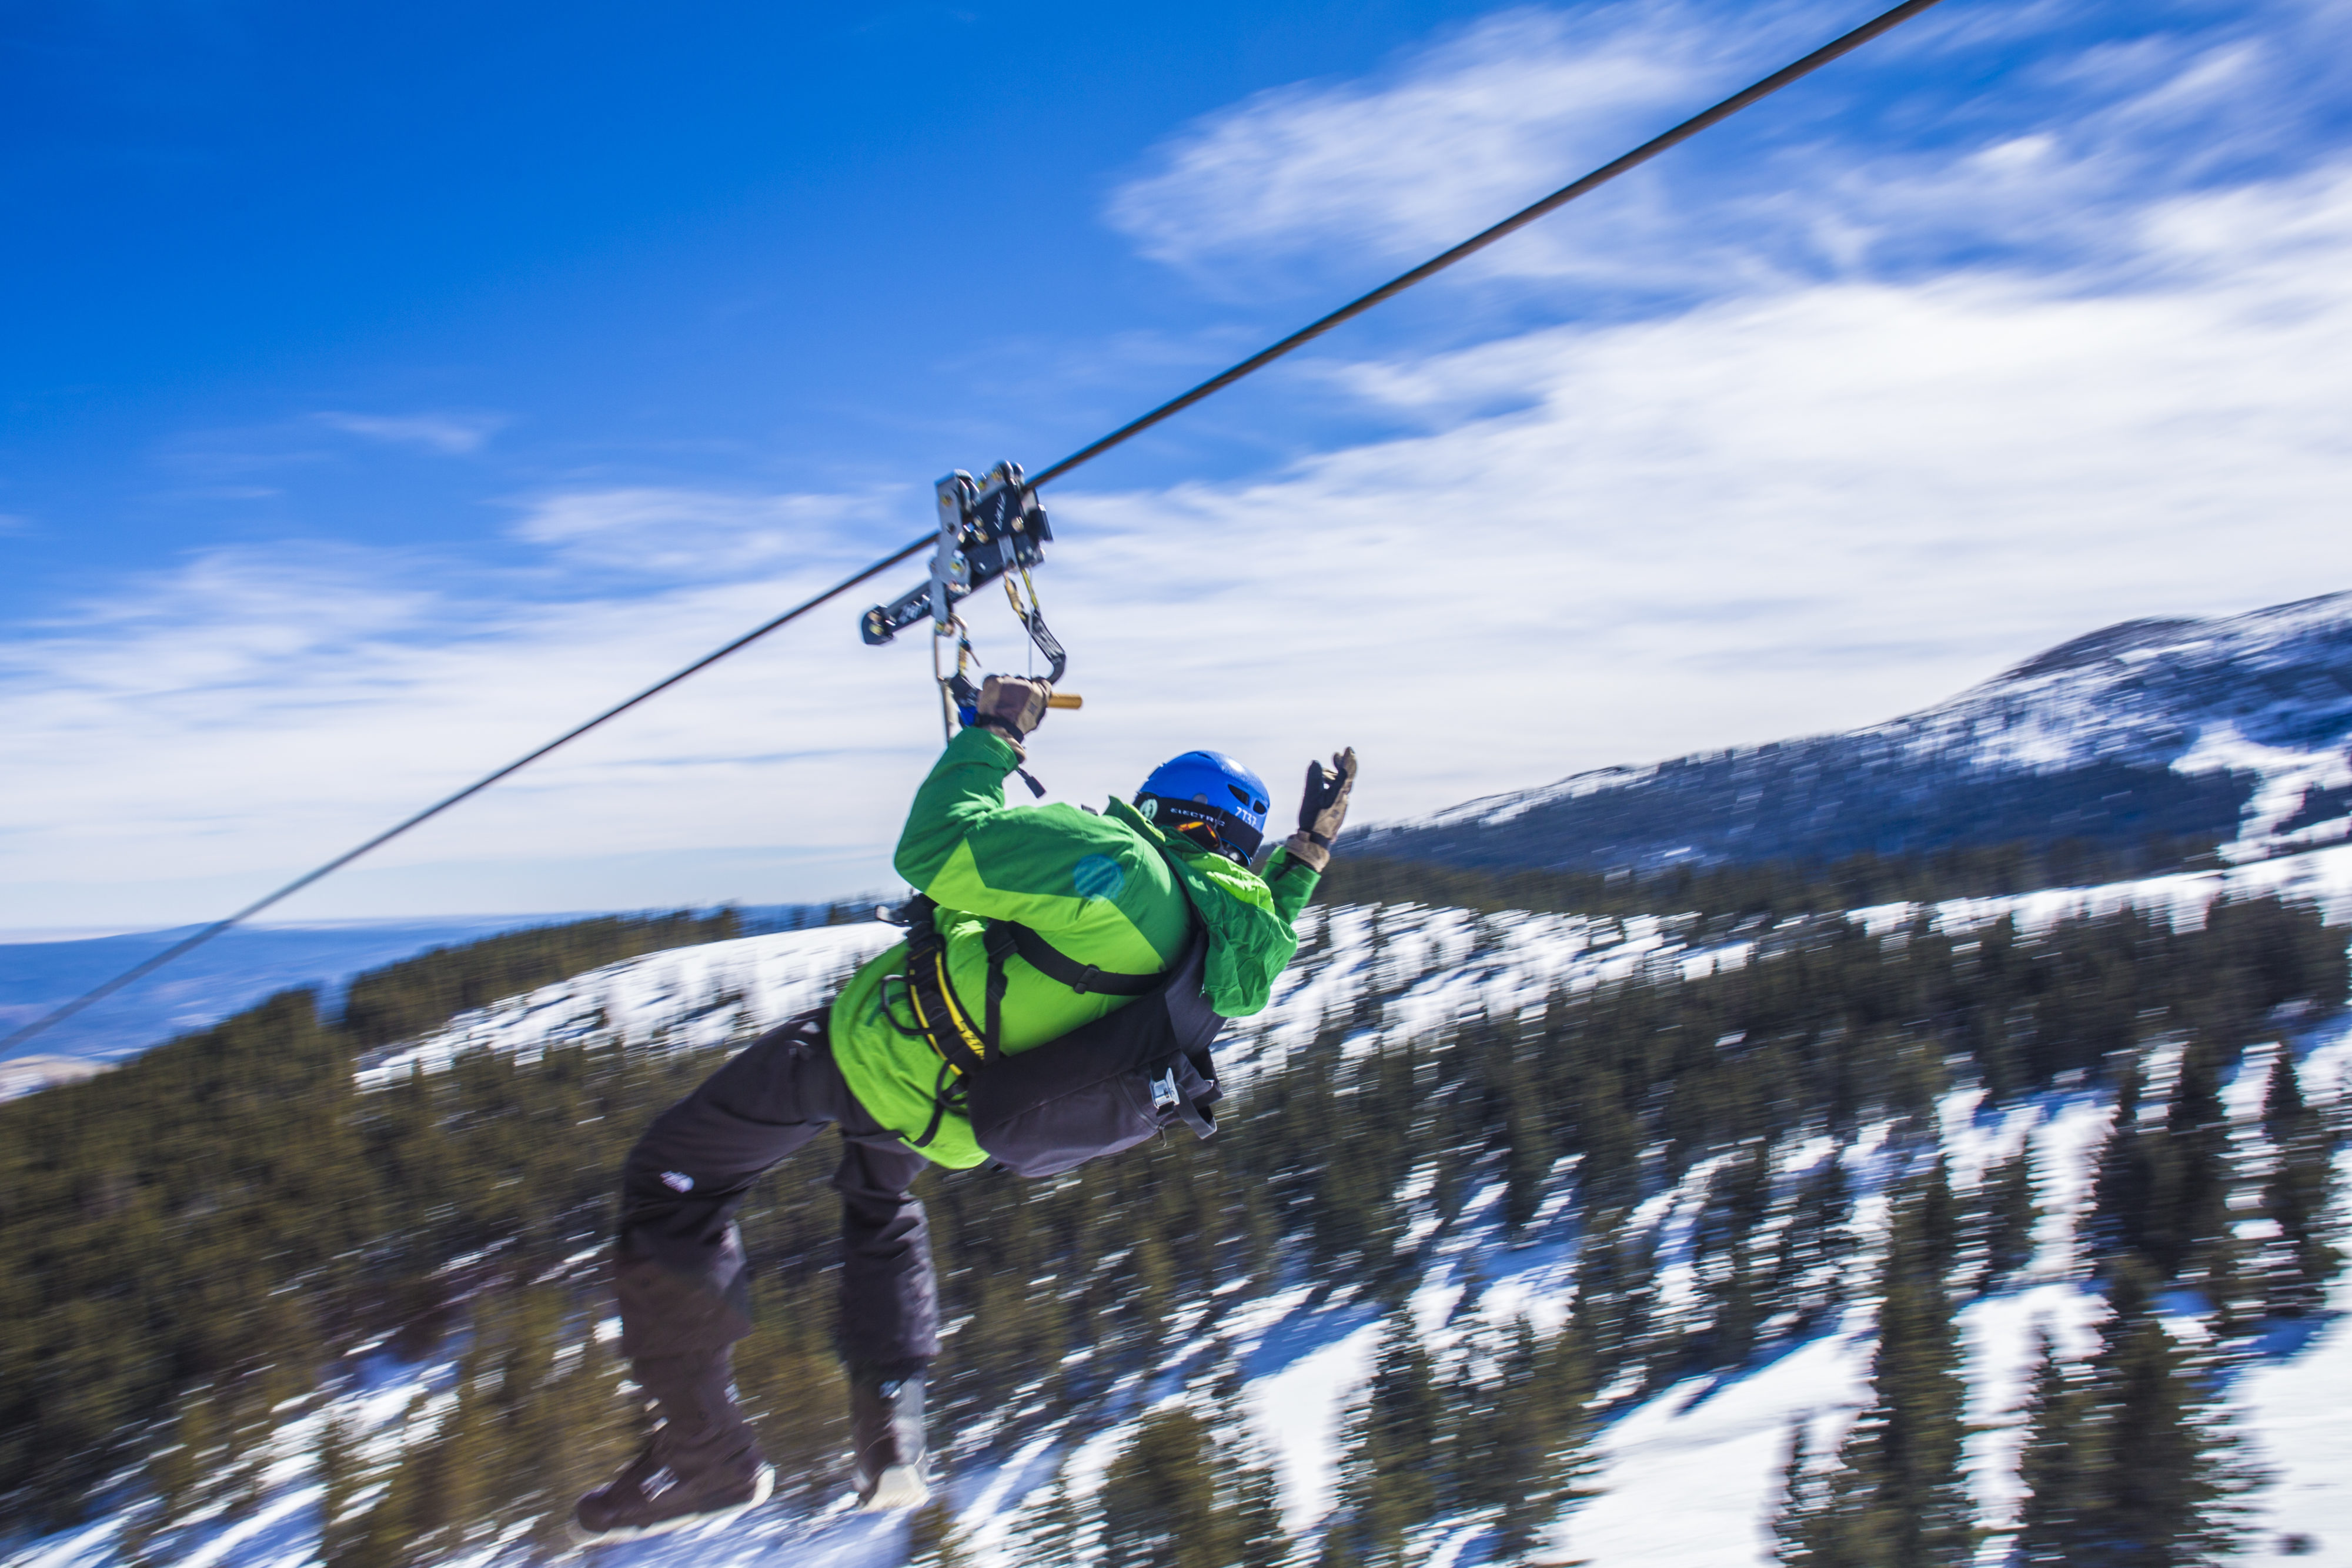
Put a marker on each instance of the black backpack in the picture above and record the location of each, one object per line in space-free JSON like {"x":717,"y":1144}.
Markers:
{"x":1103,"y":1087}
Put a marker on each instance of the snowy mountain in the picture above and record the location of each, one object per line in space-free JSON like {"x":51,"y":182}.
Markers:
{"x":2223,"y":729}
{"x":1687,"y":1470}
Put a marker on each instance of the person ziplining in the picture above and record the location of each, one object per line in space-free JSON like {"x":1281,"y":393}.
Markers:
{"x":1103,"y":948}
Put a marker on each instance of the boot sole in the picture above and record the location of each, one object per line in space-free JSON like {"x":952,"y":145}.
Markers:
{"x":900,"y":1486}
{"x":762,"y":1487}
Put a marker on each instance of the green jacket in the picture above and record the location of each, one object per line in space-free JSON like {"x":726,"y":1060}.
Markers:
{"x":1111,"y":890}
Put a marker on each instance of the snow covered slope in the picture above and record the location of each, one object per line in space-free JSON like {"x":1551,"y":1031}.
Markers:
{"x":1687,"y":1473}
{"x":2233,"y":727}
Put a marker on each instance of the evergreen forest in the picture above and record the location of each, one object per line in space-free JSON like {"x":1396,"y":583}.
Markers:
{"x":204,"y":1247}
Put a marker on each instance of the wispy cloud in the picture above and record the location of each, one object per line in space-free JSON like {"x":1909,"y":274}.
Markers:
{"x":1451,"y":139}
{"x":191,"y":738}
{"x":1915,"y":170}
{"x":452,"y":435}
{"x":691,"y":533}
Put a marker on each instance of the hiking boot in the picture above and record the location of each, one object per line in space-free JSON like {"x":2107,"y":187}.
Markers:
{"x":651,"y":1498}
{"x":885,"y":1427}
{"x":702,"y":1465}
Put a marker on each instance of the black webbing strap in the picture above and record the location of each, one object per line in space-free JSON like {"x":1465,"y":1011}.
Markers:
{"x":941,"y":1094}
{"x":937,"y":1016}
{"x":1055,"y":965}
{"x":999,"y":942}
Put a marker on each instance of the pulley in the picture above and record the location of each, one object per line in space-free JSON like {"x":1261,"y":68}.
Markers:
{"x":989,"y":528}
{"x":986,"y":528}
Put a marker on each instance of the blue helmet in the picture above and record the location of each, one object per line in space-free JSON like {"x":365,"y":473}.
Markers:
{"x":1207,"y":789}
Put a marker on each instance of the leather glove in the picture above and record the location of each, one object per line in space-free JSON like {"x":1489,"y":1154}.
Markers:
{"x":1322,"y":809}
{"x":1011,"y":705}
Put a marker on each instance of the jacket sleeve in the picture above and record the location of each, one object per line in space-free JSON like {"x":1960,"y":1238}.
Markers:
{"x":1292,"y":882}
{"x":969,"y":851}
{"x":966,"y":787}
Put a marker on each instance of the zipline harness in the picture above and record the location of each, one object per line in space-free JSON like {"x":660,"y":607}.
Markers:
{"x":991,"y":533}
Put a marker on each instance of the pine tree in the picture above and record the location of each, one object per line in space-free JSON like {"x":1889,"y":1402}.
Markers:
{"x":2170,"y":1488}
{"x":1556,"y":1433}
{"x":2134,"y":1468}
{"x":384,"y":1534}
{"x":338,"y":1482}
{"x":1526,"y":1134}
{"x":1389,"y":1475}
{"x":932,"y":1539}
{"x":1159,"y":1497}
{"x":2057,"y":1466}
{"x":1900,"y":1502}
{"x":1807,"y":1270}
{"x":2285,"y":1116}
{"x":1616,"y":1283}
{"x":1259,"y":1540}
{"x":242,"y":1473}
{"x":1784,"y":1522}
{"x":1800,"y":1505}
{"x":1339,"y":1550}
{"x":1937,"y":1224}
{"x":1048,"y":1535}
{"x":2188,"y":1209}
{"x":2009,"y":1216}
{"x":1731,"y":1333}
{"x":2298,"y":1264}
{"x":180,"y":1469}
{"x":2123,"y":1188}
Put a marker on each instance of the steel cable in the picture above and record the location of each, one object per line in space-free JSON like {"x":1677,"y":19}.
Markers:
{"x":1843,"y":45}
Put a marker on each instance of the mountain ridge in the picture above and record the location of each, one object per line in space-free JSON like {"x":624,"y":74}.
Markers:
{"x":2227,"y":731}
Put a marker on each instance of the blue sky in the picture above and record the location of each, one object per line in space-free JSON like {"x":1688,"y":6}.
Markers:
{"x":385,"y":390}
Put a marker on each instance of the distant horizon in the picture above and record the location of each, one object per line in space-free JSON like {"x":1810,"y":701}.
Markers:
{"x":40,"y":935}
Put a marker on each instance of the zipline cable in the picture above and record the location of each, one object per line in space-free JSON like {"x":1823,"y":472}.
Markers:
{"x":1843,"y":45}
{"x":141,"y":971}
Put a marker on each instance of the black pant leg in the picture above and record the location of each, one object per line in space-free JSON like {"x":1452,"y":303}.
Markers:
{"x":681,"y":1272}
{"x":889,"y":1296}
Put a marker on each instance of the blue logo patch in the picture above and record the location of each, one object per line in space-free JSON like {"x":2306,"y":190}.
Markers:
{"x":1098,"y":876}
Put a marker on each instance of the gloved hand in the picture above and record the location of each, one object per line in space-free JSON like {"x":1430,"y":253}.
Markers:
{"x":1322,"y":809}
{"x":1011,"y":705}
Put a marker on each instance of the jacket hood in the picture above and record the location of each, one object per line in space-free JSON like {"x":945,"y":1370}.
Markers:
{"x":1249,"y":942}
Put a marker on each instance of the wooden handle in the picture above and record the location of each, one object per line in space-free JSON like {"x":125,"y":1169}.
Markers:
{"x":1065,"y":699}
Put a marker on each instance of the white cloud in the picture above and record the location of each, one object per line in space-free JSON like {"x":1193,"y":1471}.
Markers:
{"x":1458,"y":136}
{"x":1853,"y":172}
{"x":180,"y":749}
{"x":452,"y":435}
{"x":678,"y":532}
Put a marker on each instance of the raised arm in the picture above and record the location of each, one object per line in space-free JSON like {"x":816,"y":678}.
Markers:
{"x":966,"y":787}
